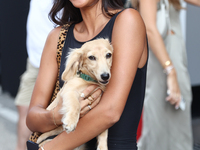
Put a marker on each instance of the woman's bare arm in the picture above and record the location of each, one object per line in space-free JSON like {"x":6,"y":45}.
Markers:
{"x":129,"y":39}
{"x":148,"y":10}
{"x":38,"y":118}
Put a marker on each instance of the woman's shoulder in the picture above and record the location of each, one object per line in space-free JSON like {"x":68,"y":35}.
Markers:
{"x":54,"y":32}
{"x":129,"y":14}
{"x":52,"y":40}
{"x":53,"y":36}
{"x":129,"y":17}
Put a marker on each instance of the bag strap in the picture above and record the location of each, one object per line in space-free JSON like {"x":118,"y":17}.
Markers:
{"x":61,"y":41}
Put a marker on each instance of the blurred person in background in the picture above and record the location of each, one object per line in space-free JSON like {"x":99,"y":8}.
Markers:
{"x":165,"y":125}
{"x":38,"y":27}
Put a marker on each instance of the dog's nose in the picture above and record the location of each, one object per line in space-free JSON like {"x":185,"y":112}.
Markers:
{"x":105,"y":76}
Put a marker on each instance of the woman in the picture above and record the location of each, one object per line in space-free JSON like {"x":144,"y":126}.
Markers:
{"x":165,"y":125}
{"x":121,"y":104}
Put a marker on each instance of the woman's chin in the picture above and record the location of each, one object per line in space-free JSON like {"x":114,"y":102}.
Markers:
{"x":83,"y":3}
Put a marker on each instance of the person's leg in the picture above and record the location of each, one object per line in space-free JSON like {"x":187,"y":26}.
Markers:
{"x":23,"y":131}
{"x":22,"y":102}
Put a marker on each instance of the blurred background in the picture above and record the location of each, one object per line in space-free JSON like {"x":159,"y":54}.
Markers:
{"x":13,"y":55}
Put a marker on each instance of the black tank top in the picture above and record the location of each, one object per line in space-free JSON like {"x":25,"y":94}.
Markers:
{"x":122,"y":135}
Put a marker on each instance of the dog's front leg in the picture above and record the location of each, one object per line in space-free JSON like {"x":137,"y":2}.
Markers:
{"x":102,"y":141}
{"x":45,"y":135}
{"x":70,"y":110}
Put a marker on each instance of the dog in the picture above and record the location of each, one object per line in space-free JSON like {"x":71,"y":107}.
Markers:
{"x":93,"y":59}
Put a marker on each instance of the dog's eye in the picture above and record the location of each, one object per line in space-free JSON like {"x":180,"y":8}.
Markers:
{"x":92,"y":58}
{"x":108,"y":55}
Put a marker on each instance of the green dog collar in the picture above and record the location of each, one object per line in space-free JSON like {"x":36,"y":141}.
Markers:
{"x":85,"y":77}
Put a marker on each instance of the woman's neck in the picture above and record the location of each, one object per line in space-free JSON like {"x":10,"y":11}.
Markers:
{"x":93,"y":22}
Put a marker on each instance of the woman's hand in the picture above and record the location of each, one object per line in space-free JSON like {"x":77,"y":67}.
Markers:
{"x":173,"y":89}
{"x":89,"y":98}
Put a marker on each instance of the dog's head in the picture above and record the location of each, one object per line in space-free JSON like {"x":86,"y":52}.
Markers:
{"x":94,"y":58}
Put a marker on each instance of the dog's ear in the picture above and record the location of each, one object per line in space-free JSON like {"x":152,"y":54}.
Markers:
{"x":72,"y":64}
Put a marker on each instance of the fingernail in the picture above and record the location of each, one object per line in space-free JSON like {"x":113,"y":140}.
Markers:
{"x":176,"y":107}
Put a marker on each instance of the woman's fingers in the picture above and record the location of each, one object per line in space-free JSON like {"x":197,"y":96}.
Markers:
{"x":87,"y":91}
{"x":174,"y":90}
{"x":90,"y":102}
{"x":174,"y":99}
{"x":88,"y":107}
{"x":92,"y":99}
{"x":95,"y":103}
{"x":89,"y":98}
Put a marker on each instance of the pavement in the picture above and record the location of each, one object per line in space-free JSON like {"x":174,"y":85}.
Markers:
{"x":8,"y":122}
{"x":9,"y":117}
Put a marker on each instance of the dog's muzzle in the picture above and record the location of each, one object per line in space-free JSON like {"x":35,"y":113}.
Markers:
{"x":105,"y":77}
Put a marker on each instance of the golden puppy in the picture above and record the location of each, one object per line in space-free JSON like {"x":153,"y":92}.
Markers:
{"x":87,"y":65}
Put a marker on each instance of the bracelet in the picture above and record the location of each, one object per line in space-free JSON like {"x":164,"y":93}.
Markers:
{"x":54,"y":119}
{"x":42,"y":147}
{"x":167,"y":63}
{"x":168,"y":69}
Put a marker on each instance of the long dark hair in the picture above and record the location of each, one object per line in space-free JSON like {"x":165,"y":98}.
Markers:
{"x":71,"y":14}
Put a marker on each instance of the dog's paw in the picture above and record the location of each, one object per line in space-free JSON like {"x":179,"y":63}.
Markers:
{"x":69,"y":128}
{"x":70,"y":123}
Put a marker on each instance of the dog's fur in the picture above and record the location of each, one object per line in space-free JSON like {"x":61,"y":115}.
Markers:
{"x":94,"y":58}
